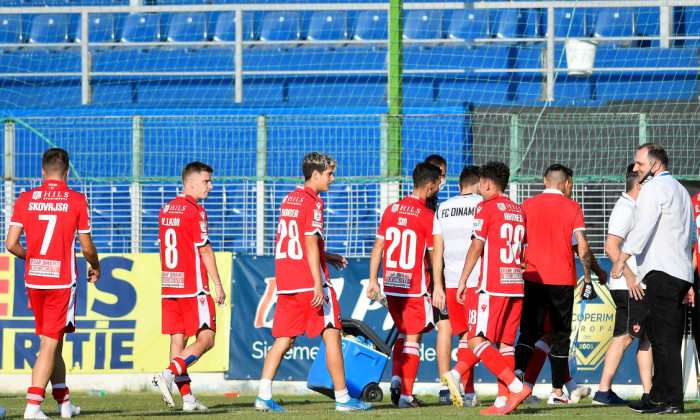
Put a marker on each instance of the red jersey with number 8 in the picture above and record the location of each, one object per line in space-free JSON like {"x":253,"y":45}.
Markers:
{"x":301,"y":215}
{"x":50,"y":216}
{"x":183,"y":229}
{"x":500,"y":223}
{"x":407,"y":230}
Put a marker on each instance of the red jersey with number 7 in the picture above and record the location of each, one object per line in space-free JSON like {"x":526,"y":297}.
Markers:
{"x":301,"y":215}
{"x":183,"y":229}
{"x":51,"y":215}
{"x":407,"y":230}
{"x":500,"y":223}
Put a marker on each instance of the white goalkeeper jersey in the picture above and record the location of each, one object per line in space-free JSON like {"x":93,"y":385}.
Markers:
{"x":454,"y":220}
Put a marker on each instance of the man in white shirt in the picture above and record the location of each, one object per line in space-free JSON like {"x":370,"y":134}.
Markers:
{"x":628,"y":295}
{"x":662,"y":241}
{"x":452,"y":232}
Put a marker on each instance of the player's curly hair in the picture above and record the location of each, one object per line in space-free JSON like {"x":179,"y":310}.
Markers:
{"x":55,"y":161}
{"x":195,"y":167}
{"x":496,"y":172}
{"x":316,"y":161}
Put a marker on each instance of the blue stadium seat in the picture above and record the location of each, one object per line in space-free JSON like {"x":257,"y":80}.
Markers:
{"x":616,"y":22}
{"x":371,"y":25}
{"x":141,"y":27}
{"x":423,"y":24}
{"x":517,"y":23}
{"x":691,"y":16}
{"x":470,"y":24}
{"x":281,"y":26}
{"x":328,"y":25}
{"x":11,"y":29}
{"x":49,"y":29}
{"x":570,"y":23}
{"x":226,"y":27}
{"x":188,"y":27}
{"x":101,"y":28}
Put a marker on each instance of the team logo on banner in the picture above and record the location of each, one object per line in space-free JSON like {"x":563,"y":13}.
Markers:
{"x":595,"y":327}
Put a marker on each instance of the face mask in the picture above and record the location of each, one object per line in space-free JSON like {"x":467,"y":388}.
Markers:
{"x":648,"y":176}
{"x":443,"y":182}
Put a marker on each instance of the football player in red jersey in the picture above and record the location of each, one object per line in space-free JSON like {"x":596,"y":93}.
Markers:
{"x":187,"y":258}
{"x":407,"y":226}
{"x":494,"y":308}
{"x":50,"y":216}
{"x":306,"y":300}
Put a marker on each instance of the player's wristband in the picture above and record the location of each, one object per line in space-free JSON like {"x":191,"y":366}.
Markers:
{"x":588,"y":292}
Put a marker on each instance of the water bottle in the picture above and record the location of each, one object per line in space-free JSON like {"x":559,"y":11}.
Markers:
{"x":96,"y":392}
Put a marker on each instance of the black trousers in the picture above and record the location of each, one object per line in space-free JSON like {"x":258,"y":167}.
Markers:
{"x":539,"y":300}
{"x":665,"y":330}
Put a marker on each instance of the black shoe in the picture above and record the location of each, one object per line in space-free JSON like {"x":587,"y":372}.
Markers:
{"x":664,"y":409}
{"x":642,"y":405}
{"x":419,"y":402}
{"x":395,"y":393}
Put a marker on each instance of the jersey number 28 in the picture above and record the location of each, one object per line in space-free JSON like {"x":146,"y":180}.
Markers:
{"x":290,"y":235}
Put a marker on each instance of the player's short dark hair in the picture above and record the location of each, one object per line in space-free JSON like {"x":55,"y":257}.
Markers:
{"x":55,"y":161}
{"x":496,"y":172}
{"x":655,"y":152}
{"x":559,"y":172}
{"x":631,"y":177}
{"x":469,"y":176}
{"x":195,"y":167}
{"x":316,"y":161}
{"x":424,"y":173}
{"x":436,"y":160}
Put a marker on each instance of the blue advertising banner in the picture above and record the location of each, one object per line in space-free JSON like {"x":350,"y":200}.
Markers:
{"x":254,"y":300}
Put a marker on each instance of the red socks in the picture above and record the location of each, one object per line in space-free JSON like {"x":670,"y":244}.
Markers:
{"x":60,"y":394}
{"x":508,"y":354}
{"x":396,"y":356}
{"x":494,"y":362}
{"x":178,"y":366}
{"x":183,"y":384}
{"x":35,"y":395}
{"x":409,"y":367}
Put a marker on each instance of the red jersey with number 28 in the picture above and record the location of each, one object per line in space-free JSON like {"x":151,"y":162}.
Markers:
{"x":407,"y":230}
{"x":50,"y":216}
{"x":500,"y":223}
{"x":696,"y":212}
{"x":301,"y":215}
{"x":183,"y":228}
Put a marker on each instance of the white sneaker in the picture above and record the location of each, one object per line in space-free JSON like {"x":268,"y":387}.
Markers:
{"x":556,"y":400}
{"x":579,"y":393}
{"x":471,"y":401}
{"x":165,"y":385}
{"x":68,"y":410}
{"x":34,"y":412}
{"x":195,"y":406}
{"x":452,"y":383}
{"x":531,"y":400}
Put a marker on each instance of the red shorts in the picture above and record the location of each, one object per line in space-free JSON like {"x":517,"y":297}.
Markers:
{"x":457,"y":311}
{"x":54,"y":311}
{"x":496,"y":318}
{"x":411,"y":315}
{"x":188,"y":315}
{"x":295,"y":316}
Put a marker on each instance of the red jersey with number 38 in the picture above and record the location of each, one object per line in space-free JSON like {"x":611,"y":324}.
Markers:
{"x":500,"y":223}
{"x":407,"y":230}
{"x":50,"y":216}
{"x":301,"y":215}
{"x":183,"y":228}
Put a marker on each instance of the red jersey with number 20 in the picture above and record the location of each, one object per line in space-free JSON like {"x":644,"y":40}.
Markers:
{"x":301,"y":215}
{"x":500,"y":223}
{"x":407,"y":229}
{"x":50,"y":216}
{"x":696,"y":212}
{"x":183,"y":228}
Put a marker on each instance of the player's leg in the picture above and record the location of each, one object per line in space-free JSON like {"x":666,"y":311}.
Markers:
{"x":174,"y":319}
{"x":645,"y":363}
{"x":41,"y":372}
{"x":531,"y":324}
{"x":443,"y":349}
{"x":613,"y":356}
{"x":561,"y":302}
{"x":178,"y":342}
{"x":396,"y":359}
{"x":59,"y":389}
{"x":409,"y":369}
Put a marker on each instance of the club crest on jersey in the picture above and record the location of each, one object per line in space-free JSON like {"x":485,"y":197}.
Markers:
{"x":636,"y":328}
{"x":203,"y":226}
{"x":36,"y":195}
{"x":318,"y":215}
{"x":501,"y":206}
{"x":478,"y":224}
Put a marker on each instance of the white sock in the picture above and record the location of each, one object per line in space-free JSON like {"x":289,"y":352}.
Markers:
{"x":168,"y":375}
{"x":470,"y":395}
{"x":443,"y":387}
{"x":571,"y":386}
{"x":407,"y":398}
{"x":342,"y":396}
{"x":500,"y":401}
{"x":265,"y":389}
{"x":189,"y":398}
{"x":395,"y":379}
{"x":456,"y":374}
{"x":515,"y":386}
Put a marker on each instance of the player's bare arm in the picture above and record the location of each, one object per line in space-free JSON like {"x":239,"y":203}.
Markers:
{"x":314,"y":255}
{"x":613,"y":247}
{"x":90,"y":254}
{"x":438,"y":267}
{"x":12,"y":242}
{"x":336,"y":260}
{"x":209,"y":260}
{"x":475,"y":250}
{"x":373,"y":290}
{"x":584,"y":254}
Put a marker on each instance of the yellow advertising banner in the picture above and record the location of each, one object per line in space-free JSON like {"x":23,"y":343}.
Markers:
{"x":118,"y":319}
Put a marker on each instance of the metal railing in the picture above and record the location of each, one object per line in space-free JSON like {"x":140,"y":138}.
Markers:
{"x":550,"y":68}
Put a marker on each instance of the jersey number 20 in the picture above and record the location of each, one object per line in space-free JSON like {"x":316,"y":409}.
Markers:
{"x":408,"y":240}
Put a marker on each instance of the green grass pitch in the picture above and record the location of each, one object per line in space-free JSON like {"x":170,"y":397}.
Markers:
{"x":317,"y":407}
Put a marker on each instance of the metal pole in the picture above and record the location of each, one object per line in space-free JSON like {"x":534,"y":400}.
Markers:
{"x":642,"y":129}
{"x":550,"y":54}
{"x":137,"y":163}
{"x":238,"y":57}
{"x":85,"y":60}
{"x":665,"y":26}
{"x":260,"y":172}
{"x":9,"y":187}
{"x":515,"y":154}
{"x":395,"y":86}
